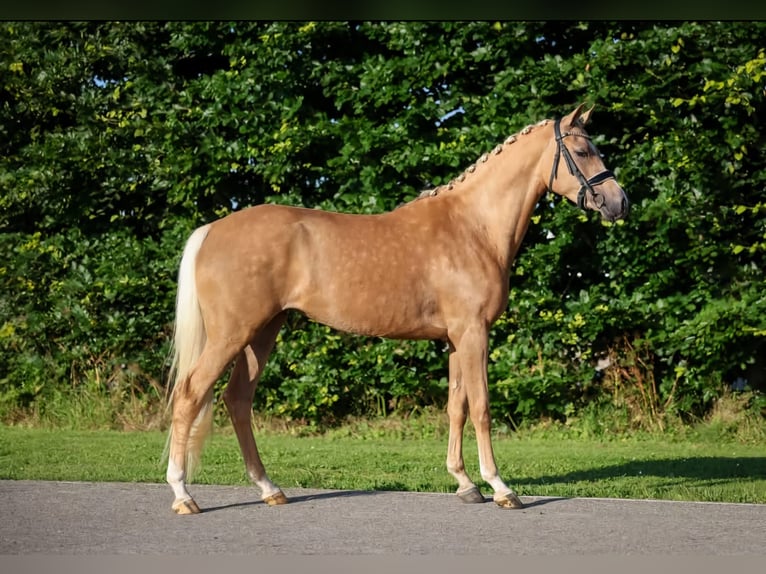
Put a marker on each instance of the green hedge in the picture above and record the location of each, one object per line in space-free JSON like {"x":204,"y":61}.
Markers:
{"x":117,"y":139}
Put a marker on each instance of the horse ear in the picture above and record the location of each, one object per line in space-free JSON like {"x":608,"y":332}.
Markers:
{"x":585,"y":117}
{"x":571,"y":119}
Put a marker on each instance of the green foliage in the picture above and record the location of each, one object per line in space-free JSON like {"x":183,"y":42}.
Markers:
{"x":117,"y":139}
{"x":318,"y":372}
{"x":86,"y":312}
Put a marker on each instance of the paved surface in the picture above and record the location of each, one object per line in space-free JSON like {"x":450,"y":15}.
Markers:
{"x":68,"y":518}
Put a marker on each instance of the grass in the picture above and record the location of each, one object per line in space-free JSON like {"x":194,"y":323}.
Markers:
{"x":601,"y":453}
{"x":396,"y":455}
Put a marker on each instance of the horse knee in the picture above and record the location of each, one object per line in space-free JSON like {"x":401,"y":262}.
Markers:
{"x":481,"y":419}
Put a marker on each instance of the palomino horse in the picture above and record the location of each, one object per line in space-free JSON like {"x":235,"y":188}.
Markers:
{"x":436,"y":267}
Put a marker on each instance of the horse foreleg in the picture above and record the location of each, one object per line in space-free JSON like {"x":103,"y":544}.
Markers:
{"x":457,"y":409}
{"x":238,"y":398}
{"x":472,"y":357}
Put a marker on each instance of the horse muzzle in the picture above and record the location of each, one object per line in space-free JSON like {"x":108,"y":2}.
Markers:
{"x":614,"y":205}
{"x":602,"y":193}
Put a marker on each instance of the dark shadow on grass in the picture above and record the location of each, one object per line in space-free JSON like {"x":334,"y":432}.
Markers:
{"x":699,"y":468}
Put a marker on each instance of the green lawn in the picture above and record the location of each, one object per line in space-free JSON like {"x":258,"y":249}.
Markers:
{"x":702,"y":469}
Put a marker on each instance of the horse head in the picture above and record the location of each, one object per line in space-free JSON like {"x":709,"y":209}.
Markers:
{"x":586,"y":181}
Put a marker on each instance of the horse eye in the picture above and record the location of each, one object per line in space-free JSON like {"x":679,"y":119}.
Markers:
{"x":582,"y":153}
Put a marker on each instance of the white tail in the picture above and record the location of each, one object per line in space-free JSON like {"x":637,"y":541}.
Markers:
{"x":188,"y":341}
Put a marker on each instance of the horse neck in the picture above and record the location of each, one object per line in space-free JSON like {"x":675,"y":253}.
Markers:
{"x":500,"y":194}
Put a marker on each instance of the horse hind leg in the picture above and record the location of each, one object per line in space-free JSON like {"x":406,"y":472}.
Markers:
{"x":238,"y":397}
{"x":192,"y":421}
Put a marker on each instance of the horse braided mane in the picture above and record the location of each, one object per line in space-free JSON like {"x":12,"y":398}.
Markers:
{"x":483,"y":159}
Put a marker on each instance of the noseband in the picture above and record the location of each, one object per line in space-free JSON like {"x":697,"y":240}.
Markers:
{"x":586,"y":185}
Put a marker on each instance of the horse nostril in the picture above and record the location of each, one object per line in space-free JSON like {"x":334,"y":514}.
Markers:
{"x":625,"y":205}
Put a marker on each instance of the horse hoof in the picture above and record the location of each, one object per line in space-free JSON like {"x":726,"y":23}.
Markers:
{"x":509,"y":500}
{"x":276,"y":499}
{"x":186,"y":507}
{"x":471,"y":496}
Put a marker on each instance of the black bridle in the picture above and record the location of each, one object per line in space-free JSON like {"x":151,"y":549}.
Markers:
{"x":586,"y":185}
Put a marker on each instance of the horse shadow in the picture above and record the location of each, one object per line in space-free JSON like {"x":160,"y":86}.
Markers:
{"x":297,"y":499}
{"x":382,"y":489}
{"x":703,"y":470}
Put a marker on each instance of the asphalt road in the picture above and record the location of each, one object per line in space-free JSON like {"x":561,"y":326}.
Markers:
{"x":81,"y":519}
